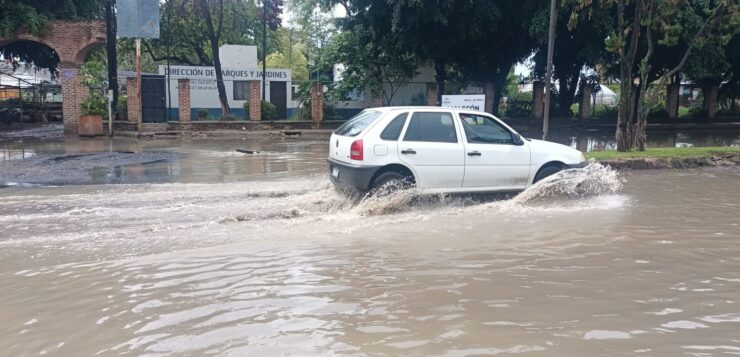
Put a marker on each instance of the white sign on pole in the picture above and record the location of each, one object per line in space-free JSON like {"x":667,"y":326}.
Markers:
{"x":472,"y":102}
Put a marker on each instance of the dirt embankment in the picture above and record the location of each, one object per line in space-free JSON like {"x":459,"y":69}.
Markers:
{"x":673,"y":163}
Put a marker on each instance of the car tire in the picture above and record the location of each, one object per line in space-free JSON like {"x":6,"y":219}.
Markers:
{"x":389,"y":182}
{"x":547,"y":171}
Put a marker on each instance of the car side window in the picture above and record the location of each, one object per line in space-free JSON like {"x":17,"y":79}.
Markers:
{"x":483,"y":130}
{"x":393,"y":130}
{"x":432,"y":127}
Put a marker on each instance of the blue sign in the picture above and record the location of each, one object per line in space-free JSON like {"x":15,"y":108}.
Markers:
{"x":138,"y":18}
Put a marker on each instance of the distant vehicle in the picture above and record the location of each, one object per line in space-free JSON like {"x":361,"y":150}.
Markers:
{"x":439,"y":150}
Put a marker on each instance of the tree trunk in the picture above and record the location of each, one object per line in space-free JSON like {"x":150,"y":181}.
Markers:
{"x":440,"y":75}
{"x":110,"y":47}
{"x":499,"y":83}
{"x":214,"y":35}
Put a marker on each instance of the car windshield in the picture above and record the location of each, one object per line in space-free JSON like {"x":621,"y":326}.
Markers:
{"x":358,"y":123}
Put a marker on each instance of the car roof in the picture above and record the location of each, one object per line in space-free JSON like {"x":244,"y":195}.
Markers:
{"x":427,"y":107}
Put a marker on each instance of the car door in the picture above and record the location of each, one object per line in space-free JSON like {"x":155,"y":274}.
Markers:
{"x":432,"y":145}
{"x":492,"y":159}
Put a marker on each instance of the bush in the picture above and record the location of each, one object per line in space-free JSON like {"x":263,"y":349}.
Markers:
{"x":519,"y":105}
{"x":605,"y":111}
{"x":269,"y":110}
{"x":202,"y":114}
{"x":698,"y":111}
{"x":95,"y":104}
{"x":122,"y":104}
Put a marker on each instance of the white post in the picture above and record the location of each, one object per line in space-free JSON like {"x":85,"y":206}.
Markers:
{"x":110,"y":112}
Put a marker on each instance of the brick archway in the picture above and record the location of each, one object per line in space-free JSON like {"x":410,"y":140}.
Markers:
{"x":72,"y":41}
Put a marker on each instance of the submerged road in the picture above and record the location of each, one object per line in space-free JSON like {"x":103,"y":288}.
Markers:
{"x":213,"y":252}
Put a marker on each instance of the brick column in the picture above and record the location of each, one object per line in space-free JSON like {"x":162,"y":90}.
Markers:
{"x":255,"y":101}
{"x":671,"y":105}
{"x":432,"y":94}
{"x":538,"y":103}
{"x":317,"y":102}
{"x":490,"y":91}
{"x":132,"y":101}
{"x":377,"y":100}
{"x":183,"y":100}
{"x":584,"y":107}
{"x":73,"y":93}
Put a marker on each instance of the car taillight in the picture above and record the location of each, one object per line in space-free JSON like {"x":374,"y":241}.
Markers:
{"x":355,"y":151}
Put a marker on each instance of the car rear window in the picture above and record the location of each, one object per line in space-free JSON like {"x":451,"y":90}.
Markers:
{"x":358,"y":123}
{"x":393,"y":130}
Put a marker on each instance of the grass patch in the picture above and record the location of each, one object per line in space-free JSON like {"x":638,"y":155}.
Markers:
{"x":662,"y":152}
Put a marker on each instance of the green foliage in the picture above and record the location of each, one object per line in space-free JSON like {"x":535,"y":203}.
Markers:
{"x":663,"y":153}
{"x":268,"y":112}
{"x":95,"y":104}
{"x":122,"y":104}
{"x":202,"y":114}
{"x":605,"y":111}
{"x":94,"y":76}
{"x":34,"y":15}
{"x":519,"y":105}
{"x":289,"y":54}
{"x":419,"y":99}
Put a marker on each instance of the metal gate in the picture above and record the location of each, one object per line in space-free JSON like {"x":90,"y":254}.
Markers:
{"x":279,"y":97}
{"x":153,"y":99}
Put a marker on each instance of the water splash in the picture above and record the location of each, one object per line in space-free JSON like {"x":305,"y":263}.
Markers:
{"x":593,"y":180}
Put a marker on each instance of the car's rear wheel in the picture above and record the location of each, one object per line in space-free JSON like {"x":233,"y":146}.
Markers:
{"x":390,"y":182}
{"x":546,"y":171}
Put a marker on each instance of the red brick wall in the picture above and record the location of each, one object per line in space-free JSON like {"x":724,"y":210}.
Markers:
{"x":183,"y":100}
{"x":377,"y":101}
{"x":72,"y":41}
{"x":255,"y":101}
{"x":432,"y":94}
{"x":132,"y":97}
{"x":317,"y":102}
{"x":73,"y":93}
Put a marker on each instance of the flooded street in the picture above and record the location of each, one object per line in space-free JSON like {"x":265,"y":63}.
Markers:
{"x":214,"y":252}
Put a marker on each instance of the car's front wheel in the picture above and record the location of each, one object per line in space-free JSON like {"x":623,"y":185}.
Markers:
{"x":546,"y":171}
{"x":390,"y":182}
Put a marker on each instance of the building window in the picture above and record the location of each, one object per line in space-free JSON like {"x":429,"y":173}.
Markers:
{"x":241,"y":90}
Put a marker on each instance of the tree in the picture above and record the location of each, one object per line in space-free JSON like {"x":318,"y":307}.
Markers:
{"x":504,"y":40}
{"x":639,"y":25}
{"x":193,"y":31}
{"x":578,"y":45}
{"x":289,"y":54}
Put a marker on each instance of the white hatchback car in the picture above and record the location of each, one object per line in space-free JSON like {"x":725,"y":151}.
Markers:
{"x":440,"y":150}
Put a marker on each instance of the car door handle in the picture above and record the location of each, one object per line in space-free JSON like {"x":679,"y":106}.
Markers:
{"x":408,"y":152}
{"x":474,"y":153}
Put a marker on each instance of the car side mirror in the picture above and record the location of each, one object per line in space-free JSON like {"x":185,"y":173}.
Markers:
{"x":517,"y":139}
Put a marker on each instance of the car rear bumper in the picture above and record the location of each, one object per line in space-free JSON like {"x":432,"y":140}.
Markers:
{"x":350,"y":177}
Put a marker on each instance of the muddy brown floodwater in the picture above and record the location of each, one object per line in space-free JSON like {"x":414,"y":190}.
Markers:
{"x":219,"y":253}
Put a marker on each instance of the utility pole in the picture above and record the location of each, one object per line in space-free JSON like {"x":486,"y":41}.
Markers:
{"x":264,"y":47}
{"x":548,"y":75}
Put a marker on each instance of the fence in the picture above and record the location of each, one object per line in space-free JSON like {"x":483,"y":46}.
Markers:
{"x":23,"y":101}
{"x":162,"y":100}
